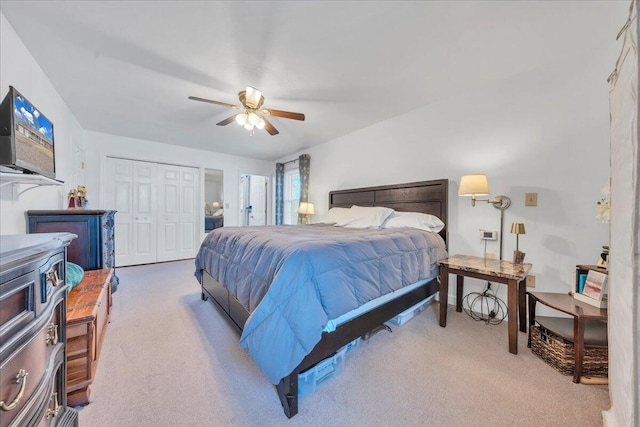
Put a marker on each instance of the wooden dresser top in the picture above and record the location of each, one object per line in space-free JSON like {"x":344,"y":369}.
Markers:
{"x":83,"y":299}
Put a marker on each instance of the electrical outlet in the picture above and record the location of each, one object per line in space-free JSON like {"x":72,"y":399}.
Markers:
{"x":531,"y":281}
{"x":531,"y":199}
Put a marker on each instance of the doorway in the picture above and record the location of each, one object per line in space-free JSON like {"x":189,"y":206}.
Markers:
{"x":213,"y":199}
{"x":253,"y":199}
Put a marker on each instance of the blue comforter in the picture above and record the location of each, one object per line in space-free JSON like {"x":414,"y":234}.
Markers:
{"x":294,"y":279}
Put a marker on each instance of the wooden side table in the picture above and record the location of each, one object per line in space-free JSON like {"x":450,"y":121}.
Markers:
{"x":498,"y":271}
{"x":581,"y":313}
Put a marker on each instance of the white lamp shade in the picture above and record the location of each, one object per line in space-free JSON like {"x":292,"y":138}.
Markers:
{"x":473,"y":185}
{"x":306,"y":208}
{"x":215,"y":205}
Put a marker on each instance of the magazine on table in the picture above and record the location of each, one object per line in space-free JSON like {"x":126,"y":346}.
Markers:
{"x":596,"y":284}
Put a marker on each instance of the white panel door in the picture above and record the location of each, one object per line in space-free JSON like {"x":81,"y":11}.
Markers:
{"x":189,"y":208}
{"x":144,"y":236}
{"x":157,"y":208}
{"x":168,"y":212}
{"x":258,"y":200}
{"x":119,"y":197}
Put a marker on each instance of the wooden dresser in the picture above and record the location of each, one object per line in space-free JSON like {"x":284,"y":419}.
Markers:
{"x":95,"y":246}
{"x":88,"y":310}
{"x":32,"y":331}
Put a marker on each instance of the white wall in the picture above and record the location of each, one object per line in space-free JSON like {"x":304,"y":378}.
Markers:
{"x":545,"y":131}
{"x":19,"y":69}
{"x":99,"y":146}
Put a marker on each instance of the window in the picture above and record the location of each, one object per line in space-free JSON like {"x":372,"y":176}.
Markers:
{"x":291,"y":196}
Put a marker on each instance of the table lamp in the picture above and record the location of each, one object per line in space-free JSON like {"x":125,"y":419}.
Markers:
{"x":305,"y":209}
{"x":517,"y":228}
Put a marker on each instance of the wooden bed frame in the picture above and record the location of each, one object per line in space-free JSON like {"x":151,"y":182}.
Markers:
{"x":427,"y":197}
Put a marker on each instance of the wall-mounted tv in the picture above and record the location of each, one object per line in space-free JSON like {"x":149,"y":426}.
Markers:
{"x":26,"y":136}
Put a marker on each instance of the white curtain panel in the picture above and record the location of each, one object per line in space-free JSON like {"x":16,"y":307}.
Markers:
{"x":624,"y":276}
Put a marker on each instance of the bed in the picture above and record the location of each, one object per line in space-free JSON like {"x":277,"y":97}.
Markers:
{"x":427,"y":197}
{"x":212,"y":222}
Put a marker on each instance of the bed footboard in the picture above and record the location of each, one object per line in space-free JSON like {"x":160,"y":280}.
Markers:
{"x":331,"y":342}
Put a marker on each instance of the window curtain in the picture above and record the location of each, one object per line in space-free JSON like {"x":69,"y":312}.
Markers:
{"x":304,"y":163}
{"x":624,"y":231}
{"x":279,"y":192}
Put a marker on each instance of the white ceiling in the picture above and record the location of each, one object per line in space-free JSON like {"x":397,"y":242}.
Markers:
{"x":127,"y":68}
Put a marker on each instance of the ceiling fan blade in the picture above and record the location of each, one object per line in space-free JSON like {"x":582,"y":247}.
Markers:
{"x":210,"y":101}
{"x":269,"y":127}
{"x":227,"y":120}
{"x":284,"y":114}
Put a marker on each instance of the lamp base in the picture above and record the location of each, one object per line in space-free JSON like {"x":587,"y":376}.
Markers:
{"x":518,"y":257}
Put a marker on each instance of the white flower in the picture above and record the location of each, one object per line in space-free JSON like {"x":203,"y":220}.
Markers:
{"x":604,"y":205}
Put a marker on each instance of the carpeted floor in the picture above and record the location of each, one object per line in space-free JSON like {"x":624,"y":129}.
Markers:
{"x":170,"y":359}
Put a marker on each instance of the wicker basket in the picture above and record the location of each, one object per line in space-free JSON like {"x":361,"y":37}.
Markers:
{"x":558,"y":352}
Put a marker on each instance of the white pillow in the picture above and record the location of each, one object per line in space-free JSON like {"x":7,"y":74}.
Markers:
{"x":219,"y":212}
{"x":336,"y":214}
{"x":365,"y":217}
{"x":417,"y":220}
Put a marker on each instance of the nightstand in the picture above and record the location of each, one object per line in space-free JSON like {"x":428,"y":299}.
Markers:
{"x":492,"y":270}
{"x":585,"y":318}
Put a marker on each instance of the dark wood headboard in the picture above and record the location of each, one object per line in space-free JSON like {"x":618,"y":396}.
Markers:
{"x":425,"y":196}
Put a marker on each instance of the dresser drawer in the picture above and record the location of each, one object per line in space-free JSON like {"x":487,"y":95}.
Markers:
{"x":22,"y":372}
{"x":17,"y":308}
{"x":52,"y":274}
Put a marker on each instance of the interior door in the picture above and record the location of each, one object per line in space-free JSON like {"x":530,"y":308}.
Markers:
{"x":119,"y":196}
{"x":189,"y":204}
{"x":168,"y":212}
{"x":258,"y":200}
{"x":157,"y":212}
{"x":144,"y":236}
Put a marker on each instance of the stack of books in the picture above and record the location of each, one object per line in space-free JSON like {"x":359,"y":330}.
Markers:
{"x":591,"y":287}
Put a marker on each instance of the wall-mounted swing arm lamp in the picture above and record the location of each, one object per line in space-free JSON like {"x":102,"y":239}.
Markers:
{"x":477,"y":185}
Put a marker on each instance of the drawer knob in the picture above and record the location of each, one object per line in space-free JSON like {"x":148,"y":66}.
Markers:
{"x":21,"y":379}
{"x":52,"y":334}
{"x":50,"y":413}
{"x":52,"y":277}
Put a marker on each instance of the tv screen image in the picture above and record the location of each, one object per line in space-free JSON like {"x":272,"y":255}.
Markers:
{"x":34,"y":134}
{"x":29,"y":144}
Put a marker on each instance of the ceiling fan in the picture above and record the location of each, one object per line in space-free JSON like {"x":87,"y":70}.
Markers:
{"x":252,"y":116}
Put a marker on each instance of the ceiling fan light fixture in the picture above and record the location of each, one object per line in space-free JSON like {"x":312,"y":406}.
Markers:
{"x":253,"y":119}
{"x":252,"y":97}
{"x":241,"y":119}
{"x":260,"y":124}
{"x":248,"y":126}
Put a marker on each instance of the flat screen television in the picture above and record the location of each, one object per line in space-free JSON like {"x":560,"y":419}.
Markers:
{"x":26,"y":136}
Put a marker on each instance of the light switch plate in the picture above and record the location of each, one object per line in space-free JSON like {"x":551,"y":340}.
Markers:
{"x":531,"y":199}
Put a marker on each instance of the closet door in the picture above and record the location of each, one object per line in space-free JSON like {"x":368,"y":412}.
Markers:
{"x":119,"y":196}
{"x":144,"y":236}
{"x":157,"y":215}
{"x":168,"y":212}
{"x":130,"y":190}
{"x":189,"y":208}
